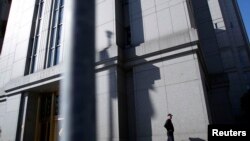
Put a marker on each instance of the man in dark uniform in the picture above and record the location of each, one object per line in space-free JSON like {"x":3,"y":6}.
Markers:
{"x":170,"y":127}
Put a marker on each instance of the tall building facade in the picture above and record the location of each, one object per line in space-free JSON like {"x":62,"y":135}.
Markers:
{"x":153,"y":57}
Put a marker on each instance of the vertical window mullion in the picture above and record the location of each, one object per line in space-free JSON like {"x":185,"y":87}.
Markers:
{"x":37,"y":18}
{"x":54,"y":46}
{"x":34,"y":37}
{"x":52,"y":56}
{"x":30,"y":66}
{"x":59,"y":32}
{"x":55,"y":56}
{"x":55,"y":33}
{"x":52,"y":36}
{"x":32,"y":49}
{"x":35,"y":40}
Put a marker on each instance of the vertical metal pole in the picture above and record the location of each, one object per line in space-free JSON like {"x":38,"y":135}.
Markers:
{"x":78,"y":88}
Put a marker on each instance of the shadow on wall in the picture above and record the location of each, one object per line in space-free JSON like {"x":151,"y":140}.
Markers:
{"x":196,"y":139}
{"x":105,"y":55}
{"x":141,"y":97}
{"x":141,"y":112}
{"x":143,"y":81}
{"x":135,"y":33}
{"x":144,"y":88}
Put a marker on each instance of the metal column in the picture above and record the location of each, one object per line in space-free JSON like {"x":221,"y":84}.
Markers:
{"x":78,"y":87}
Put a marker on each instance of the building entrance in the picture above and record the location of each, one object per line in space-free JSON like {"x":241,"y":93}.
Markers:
{"x":48,"y":118}
{"x":42,"y":117}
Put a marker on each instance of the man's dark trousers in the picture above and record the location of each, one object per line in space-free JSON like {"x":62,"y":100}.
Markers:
{"x":170,"y":136}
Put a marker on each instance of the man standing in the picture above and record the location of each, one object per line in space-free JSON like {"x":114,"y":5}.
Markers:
{"x":170,"y":127}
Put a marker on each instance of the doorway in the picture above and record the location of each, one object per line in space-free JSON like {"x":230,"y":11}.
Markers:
{"x":47,"y":121}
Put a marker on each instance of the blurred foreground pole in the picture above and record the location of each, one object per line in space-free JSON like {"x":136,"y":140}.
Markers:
{"x":78,"y":88}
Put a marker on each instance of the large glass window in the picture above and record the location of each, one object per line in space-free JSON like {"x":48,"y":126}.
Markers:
{"x":55,"y":41}
{"x":36,"y":36}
